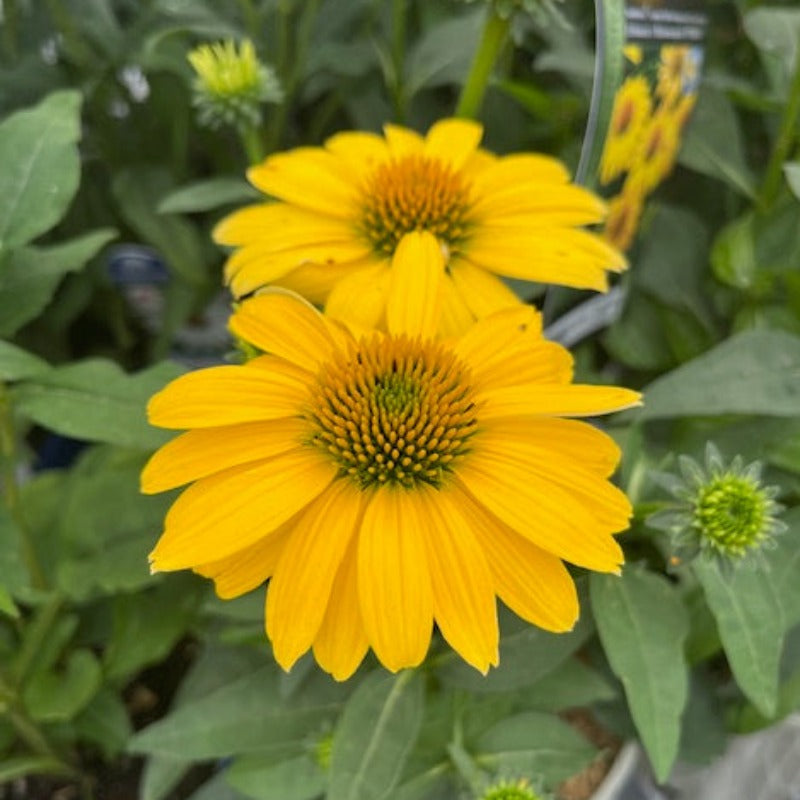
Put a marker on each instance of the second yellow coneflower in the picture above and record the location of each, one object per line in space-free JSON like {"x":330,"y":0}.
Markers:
{"x":338,"y":233}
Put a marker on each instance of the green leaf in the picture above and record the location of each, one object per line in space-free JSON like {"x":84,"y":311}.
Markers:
{"x":643,"y":625}
{"x":138,"y":192}
{"x":784,"y":564}
{"x":244,"y":716}
{"x":20,"y":766}
{"x":572,"y":685}
{"x":608,"y":73}
{"x":733,"y":256}
{"x":713,"y":144}
{"x":526,"y":655}
{"x":7,"y":604}
{"x":753,"y":372}
{"x":58,"y":696}
{"x":41,"y":167}
{"x":12,"y":564}
{"x":30,"y":275}
{"x":751,"y":625}
{"x":374,"y":737}
{"x":533,"y":743}
{"x":791,"y":169}
{"x":776,"y":32}
{"x":16,"y":363}
{"x":95,"y":400}
{"x":207,"y":195}
{"x":148,"y":624}
{"x":105,"y":723}
{"x":295,"y":779}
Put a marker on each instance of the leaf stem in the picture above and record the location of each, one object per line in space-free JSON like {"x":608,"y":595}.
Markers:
{"x":8,"y":455}
{"x":783,"y":144}
{"x":493,"y":38}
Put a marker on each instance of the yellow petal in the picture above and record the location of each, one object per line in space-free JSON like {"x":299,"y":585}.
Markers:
{"x":538,"y":205}
{"x":254,"y":266}
{"x":571,"y":400}
{"x":549,"y":516}
{"x":607,"y":504}
{"x":534,"y":584}
{"x":230,"y":510}
{"x":464,"y":603}
{"x":414,"y":302}
{"x":567,"y":438}
{"x":402,"y":141}
{"x":482,"y":292}
{"x":562,"y":256}
{"x":315,"y":281}
{"x":301,"y":586}
{"x":508,"y":170}
{"x":265,"y":388}
{"x":199,"y":453}
{"x":246,"y":569}
{"x":341,"y":642}
{"x":361,"y":151}
{"x":453,"y":141}
{"x":360,"y":298}
{"x":394,"y":582}
{"x":282,"y":323}
{"x":507,"y":349}
{"x":278,"y":226}
{"x":456,"y":315}
{"x":307,"y":177}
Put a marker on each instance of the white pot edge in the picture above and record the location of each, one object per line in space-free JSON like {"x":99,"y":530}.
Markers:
{"x":619,"y":775}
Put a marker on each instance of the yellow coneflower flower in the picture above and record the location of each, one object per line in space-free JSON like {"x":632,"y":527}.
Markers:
{"x":338,"y":234}
{"x":632,"y":108}
{"x":387,"y":481}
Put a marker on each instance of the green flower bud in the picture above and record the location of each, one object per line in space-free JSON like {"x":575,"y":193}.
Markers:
{"x":511,"y":790}
{"x":725,"y":511}
{"x":231,"y":85}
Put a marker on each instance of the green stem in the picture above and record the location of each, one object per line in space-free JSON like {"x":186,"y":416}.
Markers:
{"x":783,"y":144}
{"x":8,"y":455}
{"x":250,"y":18}
{"x":253,"y":146}
{"x":398,"y":56}
{"x":492,"y":40}
{"x":35,"y":637}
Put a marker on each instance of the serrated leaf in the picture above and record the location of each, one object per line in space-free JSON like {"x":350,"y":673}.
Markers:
{"x":96,"y":401}
{"x":376,"y":732}
{"x":753,"y":372}
{"x":643,"y":625}
{"x":207,"y":195}
{"x":533,"y":743}
{"x":16,"y":363}
{"x":294,"y":779}
{"x":41,"y":167}
{"x":30,"y":275}
{"x":751,"y":625}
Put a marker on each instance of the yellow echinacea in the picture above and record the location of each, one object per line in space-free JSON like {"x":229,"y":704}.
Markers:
{"x":387,"y":481}
{"x":338,"y":230}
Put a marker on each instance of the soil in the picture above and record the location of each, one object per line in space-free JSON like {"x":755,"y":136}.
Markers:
{"x":583,"y":785}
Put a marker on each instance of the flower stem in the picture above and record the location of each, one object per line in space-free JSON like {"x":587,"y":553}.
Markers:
{"x":783,"y":144}
{"x":253,"y":146}
{"x":398,"y":53}
{"x":8,"y":455}
{"x":492,"y":40}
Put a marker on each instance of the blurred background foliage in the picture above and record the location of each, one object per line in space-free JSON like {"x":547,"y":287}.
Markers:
{"x":100,"y":146}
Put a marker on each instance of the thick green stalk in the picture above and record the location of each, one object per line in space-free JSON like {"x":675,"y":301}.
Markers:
{"x":783,"y":144}
{"x":253,"y":146}
{"x":8,"y":455}
{"x":493,"y":38}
